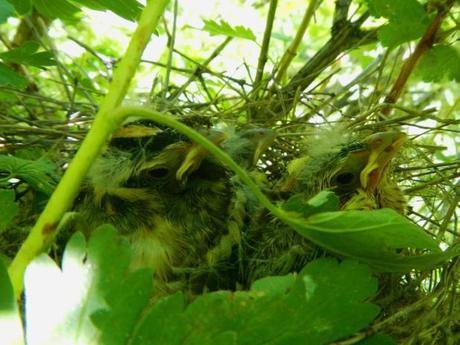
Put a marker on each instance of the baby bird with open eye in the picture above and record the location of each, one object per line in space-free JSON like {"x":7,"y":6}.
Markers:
{"x":173,"y":202}
{"x":356,"y":171}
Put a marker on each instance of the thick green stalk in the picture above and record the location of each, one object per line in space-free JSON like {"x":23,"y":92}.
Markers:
{"x":42,"y":234}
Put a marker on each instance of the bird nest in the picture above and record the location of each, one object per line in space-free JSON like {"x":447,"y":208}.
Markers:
{"x":418,"y":306}
{"x":418,"y":303}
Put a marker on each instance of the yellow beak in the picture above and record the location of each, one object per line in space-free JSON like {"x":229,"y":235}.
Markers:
{"x":383,"y":147}
{"x":195,"y":155}
{"x":262,"y":140}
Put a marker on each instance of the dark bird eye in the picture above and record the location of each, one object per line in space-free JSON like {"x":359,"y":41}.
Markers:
{"x":158,"y":173}
{"x":345,"y":178}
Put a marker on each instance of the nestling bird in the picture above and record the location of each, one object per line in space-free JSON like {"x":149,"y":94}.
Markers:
{"x":356,"y":171}
{"x":175,"y":204}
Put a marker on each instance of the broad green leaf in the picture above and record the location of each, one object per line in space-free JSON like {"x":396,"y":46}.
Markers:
{"x":22,"y":6}
{"x":439,"y":62}
{"x":274,"y":285}
{"x":9,"y":209}
{"x":27,"y":55}
{"x":407,"y":20}
{"x":126,"y":302}
{"x":62,"y":9}
{"x":59,"y":302}
{"x":378,"y":339}
{"x":381,"y":238}
{"x":39,"y":174}
{"x":11,"y":332}
{"x":6,"y":10}
{"x":325,"y":201}
{"x":224,"y":28}
{"x":325,"y":302}
{"x":396,"y":33}
{"x":128,"y":9}
{"x":8,"y":77}
{"x":169,"y":328}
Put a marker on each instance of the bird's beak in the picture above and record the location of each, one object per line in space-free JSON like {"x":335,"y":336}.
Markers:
{"x":134,"y":131}
{"x":262,"y":142}
{"x":382,"y":148}
{"x":195,"y":155}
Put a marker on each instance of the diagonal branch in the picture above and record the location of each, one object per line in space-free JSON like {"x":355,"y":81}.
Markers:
{"x":425,"y":43}
{"x":345,"y":35}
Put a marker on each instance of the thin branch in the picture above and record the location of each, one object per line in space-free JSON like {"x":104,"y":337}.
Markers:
{"x":172,"y":40}
{"x":422,"y":47}
{"x":198,"y":70}
{"x":344,"y":37}
{"x":291,"y":51}
{"x":265,"y":43}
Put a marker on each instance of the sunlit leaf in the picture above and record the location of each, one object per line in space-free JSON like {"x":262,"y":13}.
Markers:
{"x":6,"y":10}
{"x":22,"y":6}
{"x":62,"y":9}
{"x":407,"y":20}
{"x":8,"y":77}
{"x":9,"y":209}
{"x":59,"y":302}
{"x":27,"y":55}
{"x":40,"y":174}
{"x":224,"y":28}
{"x":439,"y":62}
{"x":10,"y":321}
{"x":128,"y":9}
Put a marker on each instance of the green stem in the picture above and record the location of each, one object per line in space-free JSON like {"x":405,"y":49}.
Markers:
{"x":42,"y":234}
{"x":291,"y":52}
{"x":265,"y":43}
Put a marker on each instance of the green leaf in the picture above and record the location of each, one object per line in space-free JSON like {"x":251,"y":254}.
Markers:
{"x":169,"y":328}
{"x":10,"y":320}
{"x":39,"y":174}
{"x":126,"y":302}
{"x":8,"y":77}
{"x":274,"y":285}
{"x":224,"y":28}
{"x":325,"y":302}
{"x":378,"y":339}
{"x":6,"y":11}
{"x":61,"y":9}
{"x":27,"y":55}
{"x":9,"y":208}
{"x":59,"y":303}
{"x":407,"y":20}
{"x":22,"y":6}
{"x":325,"y":201}
{"x":128,"y":9}
{"x":375,"y":237}
{"x":439,"y":62}
{"x":91,"y":300}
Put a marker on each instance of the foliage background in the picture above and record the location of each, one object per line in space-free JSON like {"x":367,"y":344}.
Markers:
{"x":50,"y":92}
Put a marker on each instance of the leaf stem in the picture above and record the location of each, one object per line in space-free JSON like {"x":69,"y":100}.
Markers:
{"x":44,"y":231}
